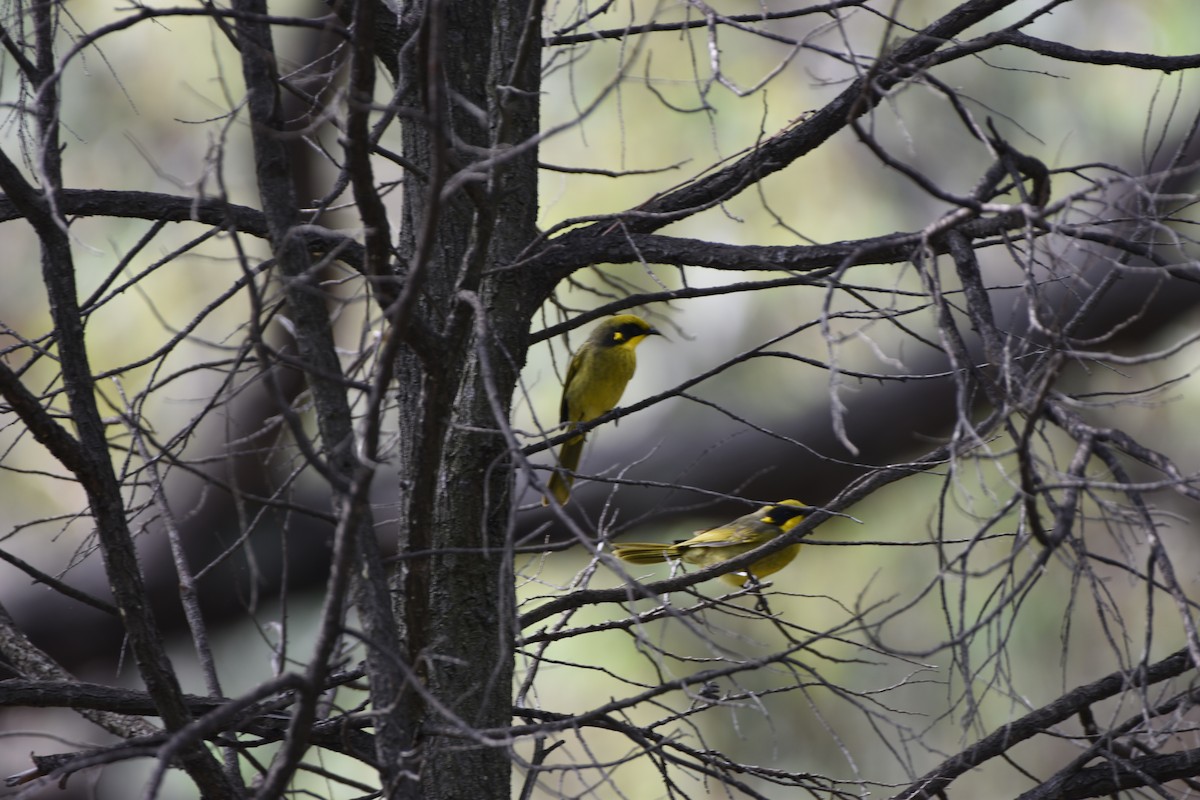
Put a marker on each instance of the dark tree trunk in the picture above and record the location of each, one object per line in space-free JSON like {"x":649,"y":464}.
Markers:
{"x":453,"y":589}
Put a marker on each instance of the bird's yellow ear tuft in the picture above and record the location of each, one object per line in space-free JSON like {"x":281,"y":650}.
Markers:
{"x":618,"y":336}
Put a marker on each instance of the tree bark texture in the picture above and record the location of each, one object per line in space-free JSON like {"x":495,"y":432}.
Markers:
{"x":471,"y":70}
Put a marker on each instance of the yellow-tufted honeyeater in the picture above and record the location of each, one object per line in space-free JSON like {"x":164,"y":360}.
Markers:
{"x":718,"y":545}
{"x":596,"y":379}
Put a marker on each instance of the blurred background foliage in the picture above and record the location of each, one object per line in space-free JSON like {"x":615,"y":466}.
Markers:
{"x":881,"y":565}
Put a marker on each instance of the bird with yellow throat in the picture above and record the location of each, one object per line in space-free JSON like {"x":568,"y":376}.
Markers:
{"x":596,"y":379}
{"x":720,"y":544}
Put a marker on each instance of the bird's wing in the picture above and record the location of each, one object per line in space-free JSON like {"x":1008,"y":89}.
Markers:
{"x":573,"y":370}
{"x":738,"y":532}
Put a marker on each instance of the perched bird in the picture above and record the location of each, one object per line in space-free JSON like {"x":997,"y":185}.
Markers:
{"x":718,"y":545}
{"x":595,"y":381}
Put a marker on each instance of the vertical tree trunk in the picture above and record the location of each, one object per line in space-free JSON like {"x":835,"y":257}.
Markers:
{"x":456,"y":380}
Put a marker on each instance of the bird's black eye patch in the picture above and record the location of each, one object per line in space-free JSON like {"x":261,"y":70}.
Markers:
{"x":780,"y":514}
{"x":629,"y":330}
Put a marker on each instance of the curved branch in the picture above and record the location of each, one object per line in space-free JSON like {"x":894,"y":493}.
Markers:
{"x":786,"y":148}
{"x":174,"y":208}
{"x":584,"y":247}
{"x":1004,"y":738}
{"x":1065,"y":52}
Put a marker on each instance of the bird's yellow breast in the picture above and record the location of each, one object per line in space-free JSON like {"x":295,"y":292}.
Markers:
{"x":596,"y":380}
{"x":702,"y":556}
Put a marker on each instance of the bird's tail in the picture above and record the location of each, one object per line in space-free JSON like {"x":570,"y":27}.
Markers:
{"x":560,"y":482}
{"x":645,"y":552}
